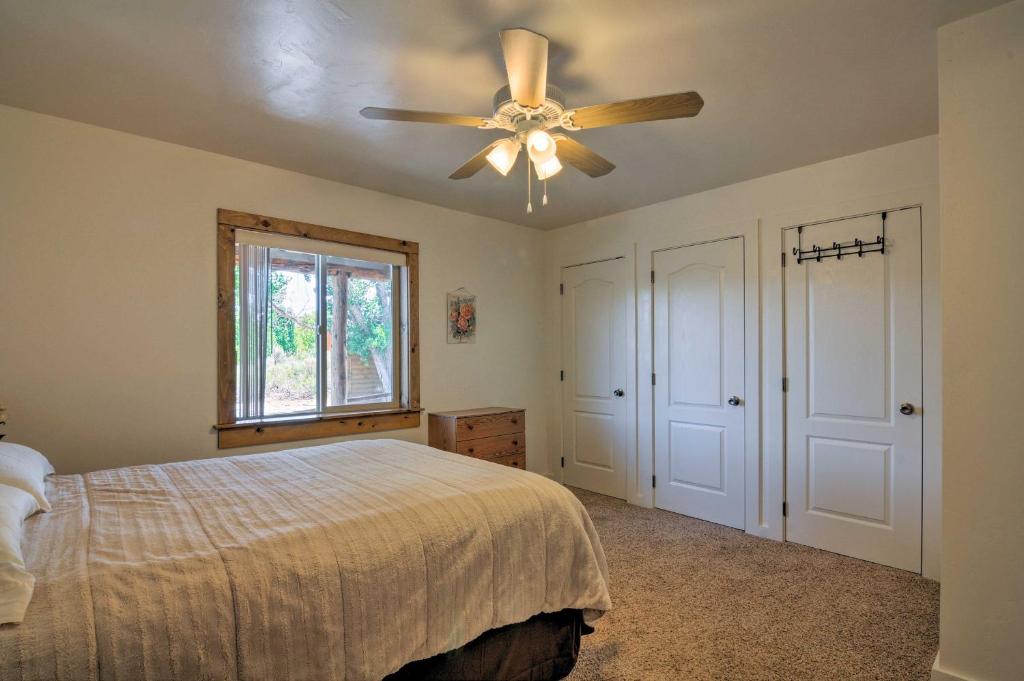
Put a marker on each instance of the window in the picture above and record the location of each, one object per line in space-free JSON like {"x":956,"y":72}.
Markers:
{"x":317,"y":338}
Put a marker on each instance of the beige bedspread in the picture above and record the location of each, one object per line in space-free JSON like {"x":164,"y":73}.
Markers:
{"x":344,"y":561}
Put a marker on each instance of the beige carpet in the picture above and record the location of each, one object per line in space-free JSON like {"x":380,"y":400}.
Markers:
{"x":694,"y":600}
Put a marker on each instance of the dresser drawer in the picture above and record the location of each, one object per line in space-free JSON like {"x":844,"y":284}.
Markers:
{"x":490,"y":447}
{"x":513,"y":461}
{"x":489,"y":425}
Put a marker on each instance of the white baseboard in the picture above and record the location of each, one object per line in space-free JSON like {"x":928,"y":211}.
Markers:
{"x":940,"y":674}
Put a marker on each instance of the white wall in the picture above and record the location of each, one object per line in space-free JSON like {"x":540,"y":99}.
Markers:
{"x":107,"y":291}
{"x":107,"y":277}
{"x":901,"y":174}
{"x":981,"y":105}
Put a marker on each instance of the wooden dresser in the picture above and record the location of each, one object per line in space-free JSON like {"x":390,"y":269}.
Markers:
{"x":495,"y":434}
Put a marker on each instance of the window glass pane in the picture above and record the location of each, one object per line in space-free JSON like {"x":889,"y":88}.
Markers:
{"x":291,"y":380}
{"x":360,"y":332}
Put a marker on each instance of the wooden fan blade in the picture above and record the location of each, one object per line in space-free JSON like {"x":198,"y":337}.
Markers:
{"x":582,"y":157}
{"x":473,"y":165}
{"x":678,"y":105}
{"x":379,"y":114}
{"x":526,"y":60}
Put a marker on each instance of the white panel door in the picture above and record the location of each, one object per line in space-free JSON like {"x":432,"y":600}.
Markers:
{"x":698,"y":392}
{"x":853,"y":358}
{"x":594,"y":327}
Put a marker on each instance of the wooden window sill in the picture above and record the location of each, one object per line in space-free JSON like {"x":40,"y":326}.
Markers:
{"x":230,"y":435}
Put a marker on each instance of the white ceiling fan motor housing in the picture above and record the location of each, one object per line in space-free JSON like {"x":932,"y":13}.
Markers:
{"x":510,"y":115}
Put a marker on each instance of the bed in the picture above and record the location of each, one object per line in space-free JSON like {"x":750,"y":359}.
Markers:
{"x":358,"y":560}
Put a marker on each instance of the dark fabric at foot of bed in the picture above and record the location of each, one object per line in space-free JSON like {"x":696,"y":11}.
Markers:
{"x":541,"y":648}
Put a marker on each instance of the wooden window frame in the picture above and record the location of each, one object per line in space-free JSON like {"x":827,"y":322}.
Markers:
{"x":230,"y":432}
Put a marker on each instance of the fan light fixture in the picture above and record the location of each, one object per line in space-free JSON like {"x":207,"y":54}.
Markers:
{"x":541,"y":146}
{"x":503,"y":156}
{"x":548,"y":168}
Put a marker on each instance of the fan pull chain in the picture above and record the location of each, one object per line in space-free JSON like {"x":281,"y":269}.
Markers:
{"x":529,"y":185}
{"x":544,"y":201}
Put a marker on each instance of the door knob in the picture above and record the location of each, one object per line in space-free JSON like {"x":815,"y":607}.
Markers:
{"x":906,"y":409}
{"x":734,"y":401}
{"x":619,"y":392}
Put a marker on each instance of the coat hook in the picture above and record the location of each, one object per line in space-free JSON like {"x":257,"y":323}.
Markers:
{"x":838,"y":249}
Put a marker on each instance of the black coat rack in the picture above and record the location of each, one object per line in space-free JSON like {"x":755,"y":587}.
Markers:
{"x":838,"y":250}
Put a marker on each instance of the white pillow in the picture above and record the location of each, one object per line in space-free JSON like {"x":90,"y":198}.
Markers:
{"x":16,"y":583}
{"x":25,"y":468}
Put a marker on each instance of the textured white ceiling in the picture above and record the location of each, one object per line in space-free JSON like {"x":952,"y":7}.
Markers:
{"x":786,"y":83}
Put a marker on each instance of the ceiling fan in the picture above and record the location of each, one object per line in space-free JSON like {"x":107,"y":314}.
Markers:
{"x":529,"y":107}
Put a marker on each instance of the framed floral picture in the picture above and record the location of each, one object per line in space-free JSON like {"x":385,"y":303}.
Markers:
{"x":461,"y":316}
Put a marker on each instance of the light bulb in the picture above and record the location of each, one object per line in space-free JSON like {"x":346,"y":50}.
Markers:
{"x":540,"y":146}
{"x":503,"y":156}
{"x":548,"y":168}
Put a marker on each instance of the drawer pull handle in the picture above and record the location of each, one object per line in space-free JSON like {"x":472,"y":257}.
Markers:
{"x":470,"y":450}
{"x":469,"y":426}
{"x":515,"y":443}
{"x":514,"y":420}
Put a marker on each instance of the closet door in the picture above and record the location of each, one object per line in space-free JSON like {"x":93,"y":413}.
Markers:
{"x":594,"y":327}
{"x":699,"y":388}
{"x":853,"y":409}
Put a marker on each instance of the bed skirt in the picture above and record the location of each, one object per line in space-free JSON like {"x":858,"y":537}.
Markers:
{"x":542,"y":648}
